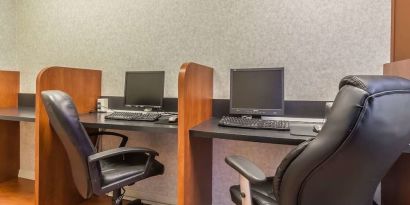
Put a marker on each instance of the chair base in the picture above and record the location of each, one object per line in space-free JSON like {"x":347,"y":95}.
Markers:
{"x":117,"y":199}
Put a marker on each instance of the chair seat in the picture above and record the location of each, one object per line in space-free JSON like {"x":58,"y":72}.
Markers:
{"x":122,"y":167}
{"x":262,"y":193}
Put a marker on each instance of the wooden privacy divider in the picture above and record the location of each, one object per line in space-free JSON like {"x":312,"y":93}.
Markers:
{"x":395,"y":185}
{"x":54,"y":183}
{"x":398,"y":68}
{"x":195,"y":93}
{"x":400,"y":30}
{"x":9,"y":130}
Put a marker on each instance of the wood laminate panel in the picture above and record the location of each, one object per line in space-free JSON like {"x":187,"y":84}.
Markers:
{"x":400,"y":30}
{"x":195,"y":92}
{"x":54,"y":183}
{"x":398,"y":68}
{"x":9,"y":131}
{"x":395,"y":187}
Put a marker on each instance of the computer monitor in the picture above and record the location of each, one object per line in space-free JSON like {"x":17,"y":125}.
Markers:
{"x":257,"y":91}
{"x":144,"y":89}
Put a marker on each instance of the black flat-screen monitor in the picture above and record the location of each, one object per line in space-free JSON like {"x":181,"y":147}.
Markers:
{"x":144,"y":89}
{"x":257,"y":91}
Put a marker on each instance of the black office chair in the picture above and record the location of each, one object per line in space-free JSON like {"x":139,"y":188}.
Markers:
{"x":103,"y":172}
{"x":365,"y":133}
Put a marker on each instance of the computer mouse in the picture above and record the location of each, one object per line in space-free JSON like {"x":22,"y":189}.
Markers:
{"x":173,"y":118}
{"x":317,"y":128}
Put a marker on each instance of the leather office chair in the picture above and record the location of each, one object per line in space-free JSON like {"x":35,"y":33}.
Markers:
{"x":97,"y":173}
{"x":365,"y":133}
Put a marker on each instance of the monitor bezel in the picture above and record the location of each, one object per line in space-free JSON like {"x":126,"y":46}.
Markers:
{"x":144,"y":106}
{"x":259,"y":112}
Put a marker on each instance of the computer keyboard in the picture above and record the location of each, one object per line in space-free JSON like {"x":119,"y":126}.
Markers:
{"x":240,"y":122}
{"x":134,"y":116}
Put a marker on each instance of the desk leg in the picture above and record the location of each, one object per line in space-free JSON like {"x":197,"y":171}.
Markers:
{"x":9,"y":150}
{"x":396,"y":184}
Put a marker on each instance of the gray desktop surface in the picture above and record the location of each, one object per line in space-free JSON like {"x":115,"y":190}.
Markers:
{"x":25,"y":114}
{"x":97,"y":120}
{"x":210,"y":129}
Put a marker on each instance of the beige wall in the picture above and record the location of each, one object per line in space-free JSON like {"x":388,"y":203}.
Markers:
{"x":317,"y":42}
{"x":8,"y":26}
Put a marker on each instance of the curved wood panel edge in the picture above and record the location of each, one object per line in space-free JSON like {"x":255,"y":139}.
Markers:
{"x":54,"y":183}
{"x":195,"y":93}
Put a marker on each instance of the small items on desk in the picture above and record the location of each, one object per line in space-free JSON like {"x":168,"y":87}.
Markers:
{"x":102,"y":105}
{"x":173,"y":119}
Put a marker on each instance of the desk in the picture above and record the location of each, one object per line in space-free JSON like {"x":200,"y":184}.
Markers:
{"x":10,"y":159}
{"x":90,"y":120}
{"x":210,"y":129}
{"x":25,"y":114}
{"x":97,"y":120}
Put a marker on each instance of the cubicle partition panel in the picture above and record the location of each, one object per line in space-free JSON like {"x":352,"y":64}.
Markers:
{"x":9,"y":130}
{"x":395,"y":185}
{"x":54,"y":183}
{"x":195,"y":93}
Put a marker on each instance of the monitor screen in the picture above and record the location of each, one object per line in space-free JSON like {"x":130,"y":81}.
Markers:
{"x":258,"y":91}
{"x":144,"y":89}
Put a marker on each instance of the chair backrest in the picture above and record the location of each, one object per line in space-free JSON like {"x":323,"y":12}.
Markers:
{"x":365,"y":133}
{"x":64,"y":119}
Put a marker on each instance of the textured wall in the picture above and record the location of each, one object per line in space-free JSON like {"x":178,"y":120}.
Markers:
{"x":27,"y":151}
{"x":317,"y":42}
{"x":8,"y":26}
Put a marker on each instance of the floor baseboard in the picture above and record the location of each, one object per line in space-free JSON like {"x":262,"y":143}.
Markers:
{"x":26,"y":174}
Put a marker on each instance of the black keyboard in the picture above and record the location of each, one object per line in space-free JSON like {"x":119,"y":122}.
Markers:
{"x":134,"y":116}
{"x":254,"y":123}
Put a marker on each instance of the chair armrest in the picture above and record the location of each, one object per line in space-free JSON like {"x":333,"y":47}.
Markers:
{"x":120,"y":151}
{"x":124,"y":139}
{"x":246,"y":168}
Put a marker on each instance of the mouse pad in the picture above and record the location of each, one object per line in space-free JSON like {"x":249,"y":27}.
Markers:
{"x":302,"y":129}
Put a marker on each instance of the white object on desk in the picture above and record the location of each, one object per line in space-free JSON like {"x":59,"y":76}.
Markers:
{"x":102,"y":104}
